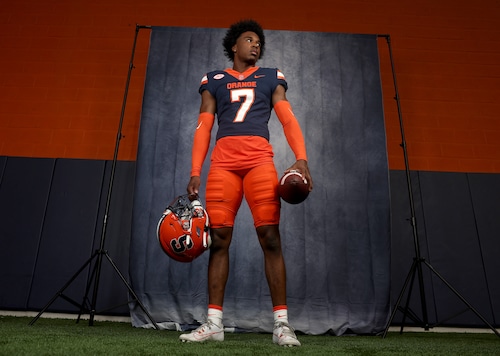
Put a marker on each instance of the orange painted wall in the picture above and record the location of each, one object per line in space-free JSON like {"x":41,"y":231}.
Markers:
{"x":64,"y":64}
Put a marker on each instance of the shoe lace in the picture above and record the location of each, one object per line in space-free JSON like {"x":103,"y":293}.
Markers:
{"x":286,"y":329}
{"x":208,"y":325}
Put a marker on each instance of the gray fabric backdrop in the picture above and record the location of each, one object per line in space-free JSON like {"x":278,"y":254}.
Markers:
{"x":336,"y":243}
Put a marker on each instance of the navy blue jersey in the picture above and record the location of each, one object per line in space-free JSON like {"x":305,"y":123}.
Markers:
{"x":244,"y":100}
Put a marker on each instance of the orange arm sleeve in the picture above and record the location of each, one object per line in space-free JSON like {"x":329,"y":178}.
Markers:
{"x":292,"y":130}
{"x":201,"y":142}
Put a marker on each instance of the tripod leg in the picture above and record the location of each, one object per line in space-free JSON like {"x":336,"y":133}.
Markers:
{"x":59,"y":293}
{"x":423,"y":302}
{"x":410,"y":276}
{"x":131,"y":291}
{"x":408,"y":297}
{"x":407,"y":310}
{"x":87,"y":290}
{"x":98,"y":265}
{"x":461,"y":298}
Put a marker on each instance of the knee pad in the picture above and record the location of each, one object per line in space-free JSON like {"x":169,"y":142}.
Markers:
{"x":220,"y":217}
{"x":266,"y":214}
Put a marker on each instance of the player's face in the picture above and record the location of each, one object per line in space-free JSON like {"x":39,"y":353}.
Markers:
{"x":247,"y":47}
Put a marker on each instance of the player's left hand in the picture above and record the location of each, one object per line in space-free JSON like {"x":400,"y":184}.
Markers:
{"x":302,"y":166}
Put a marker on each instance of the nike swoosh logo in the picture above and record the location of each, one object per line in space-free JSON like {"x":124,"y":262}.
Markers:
{"x":259,"y":76}
{"x":199,"y":125}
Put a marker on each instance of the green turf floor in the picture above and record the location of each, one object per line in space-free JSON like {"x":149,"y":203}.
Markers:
{"x":66,"y":337}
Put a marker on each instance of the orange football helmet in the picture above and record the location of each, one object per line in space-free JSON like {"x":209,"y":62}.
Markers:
{"x":183,"y":229}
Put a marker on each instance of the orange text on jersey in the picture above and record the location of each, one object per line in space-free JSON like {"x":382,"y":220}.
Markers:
{"x":238,"y":85}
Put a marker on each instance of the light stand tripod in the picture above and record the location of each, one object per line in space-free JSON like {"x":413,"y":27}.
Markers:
{"x":418,"y":260}
{"x":101,"y":252}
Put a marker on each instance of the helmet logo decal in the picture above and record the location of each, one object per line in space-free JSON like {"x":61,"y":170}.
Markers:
{"x":181,"y":244}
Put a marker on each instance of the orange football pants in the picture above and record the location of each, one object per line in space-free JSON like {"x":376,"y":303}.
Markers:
{"x":225,"y":190}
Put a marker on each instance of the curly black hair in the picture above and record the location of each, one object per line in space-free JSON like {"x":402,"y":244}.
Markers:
{"x":236,"y":30}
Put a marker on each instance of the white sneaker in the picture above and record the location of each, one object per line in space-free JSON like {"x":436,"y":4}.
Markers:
{"x":284,"y":335}
{"x":206,"y":332}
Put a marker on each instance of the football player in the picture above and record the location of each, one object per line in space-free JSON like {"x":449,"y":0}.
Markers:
{"x":242,"y":98}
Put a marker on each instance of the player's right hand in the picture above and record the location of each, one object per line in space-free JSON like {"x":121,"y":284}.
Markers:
{"x":193,"y":186}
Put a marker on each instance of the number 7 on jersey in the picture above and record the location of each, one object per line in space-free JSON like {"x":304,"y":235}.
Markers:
{"x":248,"y":96}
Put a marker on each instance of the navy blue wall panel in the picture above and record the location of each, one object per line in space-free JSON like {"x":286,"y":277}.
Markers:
{"x":454,"y":246}
{"x":454,"y":215}
{"x":24,"y":192}
{"x":51,"y":223}
{"x":68,"y":231}
{"x":74,"y":233}
{"x":485,"y":195}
